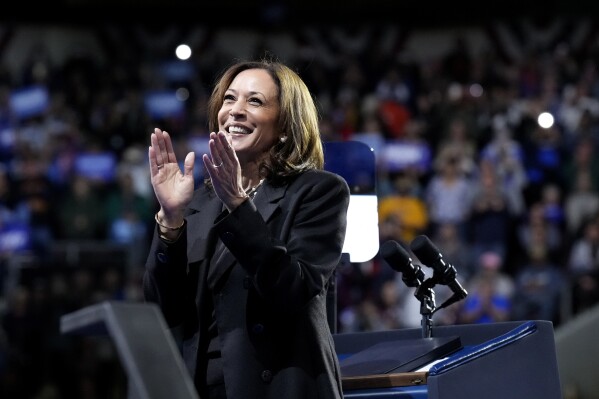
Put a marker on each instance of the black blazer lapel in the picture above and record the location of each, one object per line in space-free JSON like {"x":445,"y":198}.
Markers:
{"x":266,"y":202}
{"x":204,"y":209}
{"x":222,"y":261}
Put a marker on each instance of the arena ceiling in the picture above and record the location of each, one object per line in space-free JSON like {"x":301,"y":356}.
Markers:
{"x":291,"y":12}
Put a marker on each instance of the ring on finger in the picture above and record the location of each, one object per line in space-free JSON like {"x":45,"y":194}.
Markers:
{"x":219,"y":165}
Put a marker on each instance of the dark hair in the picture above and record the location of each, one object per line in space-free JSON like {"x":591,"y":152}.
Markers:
{"x":298,"y":119}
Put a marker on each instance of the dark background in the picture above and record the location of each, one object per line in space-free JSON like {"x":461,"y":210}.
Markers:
{"x":57,"y":358}
{"x":283,"y":13}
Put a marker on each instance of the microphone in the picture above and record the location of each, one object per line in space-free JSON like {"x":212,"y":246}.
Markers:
{"x":444,"y":272}
{"x":399,"y":260}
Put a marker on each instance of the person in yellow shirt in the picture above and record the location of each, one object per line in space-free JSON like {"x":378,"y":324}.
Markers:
{"x":402,"y":214}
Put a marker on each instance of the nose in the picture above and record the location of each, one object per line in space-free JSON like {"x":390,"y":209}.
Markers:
{"x":237,"y":109}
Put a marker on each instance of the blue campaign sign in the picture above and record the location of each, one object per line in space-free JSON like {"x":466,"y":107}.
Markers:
{"x":14,"y":237}
{"x":177,"y":71}
{"x":401,"y":154}
{"x":29,"y":101}
{"x":163,"y":104}
{"x":99,"y":166}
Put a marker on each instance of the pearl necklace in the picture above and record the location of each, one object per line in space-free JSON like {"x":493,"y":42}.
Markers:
{"x":251,"y":192}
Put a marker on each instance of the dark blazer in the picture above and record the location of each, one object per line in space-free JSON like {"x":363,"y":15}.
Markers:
{"x":269,"y":290}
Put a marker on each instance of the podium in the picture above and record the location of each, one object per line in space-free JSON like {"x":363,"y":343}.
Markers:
{"x":515,"y":360}
{"x":145,"y":346}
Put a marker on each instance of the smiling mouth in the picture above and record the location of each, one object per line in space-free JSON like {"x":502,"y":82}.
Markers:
{"x":238,"y":130}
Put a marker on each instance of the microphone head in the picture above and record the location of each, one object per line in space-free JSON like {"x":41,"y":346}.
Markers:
{"x":400,"y":261}
{"x":444,"y":274}
{"x":425,"y":250}
{"x":396,"y":256}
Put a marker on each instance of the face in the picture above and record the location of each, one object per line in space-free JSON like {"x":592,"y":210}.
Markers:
{"x":249,"y":113}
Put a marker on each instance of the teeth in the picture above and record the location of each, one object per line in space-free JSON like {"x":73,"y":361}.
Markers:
{"x":239,"y":129}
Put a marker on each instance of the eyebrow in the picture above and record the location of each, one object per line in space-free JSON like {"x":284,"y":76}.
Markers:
{"x":251,"y":93}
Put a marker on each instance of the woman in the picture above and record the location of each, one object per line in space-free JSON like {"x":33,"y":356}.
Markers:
{"x":242,"y":263}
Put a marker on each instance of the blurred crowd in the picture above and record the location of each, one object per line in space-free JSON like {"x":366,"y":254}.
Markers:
{"x":461,"y":157}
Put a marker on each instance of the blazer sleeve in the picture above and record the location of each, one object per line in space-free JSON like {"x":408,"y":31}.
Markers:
{"x":165,"y":278}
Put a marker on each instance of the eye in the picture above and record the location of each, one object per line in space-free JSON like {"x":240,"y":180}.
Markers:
{"x":228,"y":98}
{"x":255,"y":101}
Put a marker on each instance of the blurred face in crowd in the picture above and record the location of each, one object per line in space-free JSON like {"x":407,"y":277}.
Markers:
{"x":249,"y":113}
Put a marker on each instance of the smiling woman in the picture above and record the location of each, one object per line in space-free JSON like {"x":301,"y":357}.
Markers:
{"x":249,"y":114}
{"x":242,"y":263}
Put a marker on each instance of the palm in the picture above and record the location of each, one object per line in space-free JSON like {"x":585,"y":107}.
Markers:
{"x":173,"y":189}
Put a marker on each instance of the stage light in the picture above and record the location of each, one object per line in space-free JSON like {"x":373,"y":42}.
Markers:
{"x":183,"y":51}
{"x":545,"y":120}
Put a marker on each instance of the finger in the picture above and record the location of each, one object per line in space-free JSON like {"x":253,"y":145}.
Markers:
{"x":215,"y":151}
{"x":170,"y":151}
{"x":160,"y":147}
{"x":226,"y":150}
{"x":152,"y":161}
{"x":153,"y":152}
{"x":188,"y":164}
{"x":209,"y":166}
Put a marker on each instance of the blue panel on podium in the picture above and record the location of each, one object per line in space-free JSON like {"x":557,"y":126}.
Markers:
{"x":415,"y":392}
{"x":471,"y":353}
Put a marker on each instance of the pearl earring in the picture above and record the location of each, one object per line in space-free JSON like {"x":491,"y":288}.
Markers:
{"x":283,"y":139}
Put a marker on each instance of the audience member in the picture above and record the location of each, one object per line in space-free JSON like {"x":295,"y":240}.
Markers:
{"x":490,"y":292}
{"x":539,"y":287}
{"x":456,"y":249}
{"x":537,"y":229}
{"x":448,"y":195}
{"x":580,"y":204}
{"x":458,"y":142}
{"x":583,"y":160}
{"x":405,"y":207}
{"x":127,"y":213}
{"x":583,"y":267}
{"x":80,"y":212}
{"x":551,"y":199}
{"x":490,"y":218}
{"x":507,"y":157}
